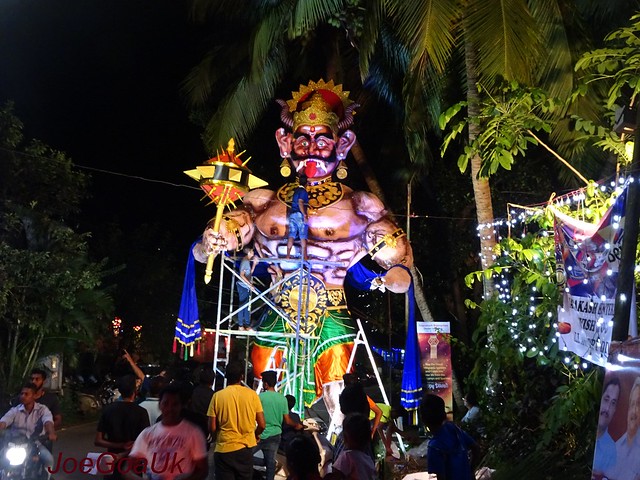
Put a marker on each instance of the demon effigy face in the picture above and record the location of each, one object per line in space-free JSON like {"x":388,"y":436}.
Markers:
{"x":319,"y":115}
{"x":314,"y":151}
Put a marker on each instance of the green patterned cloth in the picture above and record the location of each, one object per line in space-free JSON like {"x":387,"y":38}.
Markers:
{"x":335,"y":328}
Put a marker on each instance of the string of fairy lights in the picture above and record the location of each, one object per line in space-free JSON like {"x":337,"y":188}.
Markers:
{"x":535,"y":332}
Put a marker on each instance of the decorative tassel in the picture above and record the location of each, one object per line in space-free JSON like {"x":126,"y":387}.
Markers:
{"x":191,"y":350}
{"x":182,"y":349}
{"x":175,"y":346}
{"x":198,"y":349}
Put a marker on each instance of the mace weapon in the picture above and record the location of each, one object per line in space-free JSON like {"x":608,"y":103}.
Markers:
{"x":224,"y":179}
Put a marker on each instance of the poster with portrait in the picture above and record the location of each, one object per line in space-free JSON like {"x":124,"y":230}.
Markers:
{"x":617,"y":452}
{"x":587,"y":264}
{"x":435,"y":358}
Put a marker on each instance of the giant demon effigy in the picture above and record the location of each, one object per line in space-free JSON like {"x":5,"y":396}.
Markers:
{"x":343,"y":227}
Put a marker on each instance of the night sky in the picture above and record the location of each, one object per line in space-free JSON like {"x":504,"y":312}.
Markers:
{"x":100,"y":80}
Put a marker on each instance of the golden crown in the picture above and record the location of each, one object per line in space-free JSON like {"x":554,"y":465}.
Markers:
{"x":319,"y":103}
{"x":316,"y":111}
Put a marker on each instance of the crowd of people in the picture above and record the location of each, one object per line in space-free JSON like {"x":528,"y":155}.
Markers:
{"x":235,"y":423}
{"x":176,"y":430}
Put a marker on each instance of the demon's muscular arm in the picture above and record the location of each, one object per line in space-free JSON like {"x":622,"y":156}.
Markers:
{"x":386,"y":243}
{"x":236,"y":228}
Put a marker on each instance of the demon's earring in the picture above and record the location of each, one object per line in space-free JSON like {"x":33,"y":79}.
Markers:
{"x":341,"y":171}
{"x":285,"y":167}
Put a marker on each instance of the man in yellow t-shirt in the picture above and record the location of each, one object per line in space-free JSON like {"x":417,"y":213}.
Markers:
{"x":235,"y":412}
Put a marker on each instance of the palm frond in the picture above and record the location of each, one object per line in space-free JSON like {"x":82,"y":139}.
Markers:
{"x":394,"y":53}
{"x":556,"y":73}
{"x":373,"y":18}
{"x":388,"y":65}
{"x":271,"y":30}
{"x":380,"y":83}
{"x":504,"y":34}
{"x":603,"y":17}
{"x":241,"y":110}
{"x":427,"y":26}
{"x":309,"y":13}
{"x":206,"y":78}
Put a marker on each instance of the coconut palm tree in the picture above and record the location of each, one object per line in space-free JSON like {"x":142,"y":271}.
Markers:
{"x":289,"y":39}
{"x":254,"y":49}
{"x":484,"y":42}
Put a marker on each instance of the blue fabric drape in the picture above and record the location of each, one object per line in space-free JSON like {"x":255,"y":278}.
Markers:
{"x":360,"y":277}
{"x":411,"y":386}
{"x":188,"y":329}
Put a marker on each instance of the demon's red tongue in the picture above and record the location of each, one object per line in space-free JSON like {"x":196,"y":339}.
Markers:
{"x":310,"y":169}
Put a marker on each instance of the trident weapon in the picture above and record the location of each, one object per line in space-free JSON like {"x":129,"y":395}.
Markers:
{"x":224,"y":179}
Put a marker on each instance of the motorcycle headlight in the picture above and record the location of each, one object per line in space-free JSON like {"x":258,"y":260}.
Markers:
{"x":16,"y":455}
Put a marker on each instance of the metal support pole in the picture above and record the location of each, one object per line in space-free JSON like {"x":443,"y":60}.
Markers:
{"x":408,"y":232}
{"x":626,"y":271}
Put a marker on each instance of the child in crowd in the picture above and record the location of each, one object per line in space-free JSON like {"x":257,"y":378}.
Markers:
{"x":288,"y":432}
{"x":354,"y":463}
{"x":303,"y":458}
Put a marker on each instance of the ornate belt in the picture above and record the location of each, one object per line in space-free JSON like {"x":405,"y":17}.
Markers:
{"x":233,"y":227}
{"x":388,"y":240}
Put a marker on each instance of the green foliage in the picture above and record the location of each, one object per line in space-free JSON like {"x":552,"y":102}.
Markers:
{"x":350,"y":17}
{"x":618,"y":65}
{"x":506,"y":120}
{"x":602,"y":137}
{"x":49,"y":287}
{"x":540,"y":405}
{"x":236,"y":82}
{"x":574,"y":402}
{"x":542,"y":465}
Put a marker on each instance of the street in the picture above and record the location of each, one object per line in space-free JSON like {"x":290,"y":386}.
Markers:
{"x":72,"y":445}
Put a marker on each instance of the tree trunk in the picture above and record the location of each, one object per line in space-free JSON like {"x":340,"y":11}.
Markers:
{"x":35,"y":349}
{"x":481,"y":188}
{"x":13,"y":348}
{"x":421,"y":300}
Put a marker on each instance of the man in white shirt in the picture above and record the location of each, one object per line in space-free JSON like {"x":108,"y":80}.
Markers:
{"x":31,"y":419}
{"x":152,"y":403}
{"x":173,"y":447}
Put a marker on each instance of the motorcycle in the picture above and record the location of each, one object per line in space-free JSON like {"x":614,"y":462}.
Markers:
{"x":83,"y":395}
{"x":108,"y":392}
{"x":20,"y":457}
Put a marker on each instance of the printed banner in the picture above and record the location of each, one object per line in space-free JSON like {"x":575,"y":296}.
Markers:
{"x":435,"y":356}
{"x":617,"y":452}
{"x":587,"y":262}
